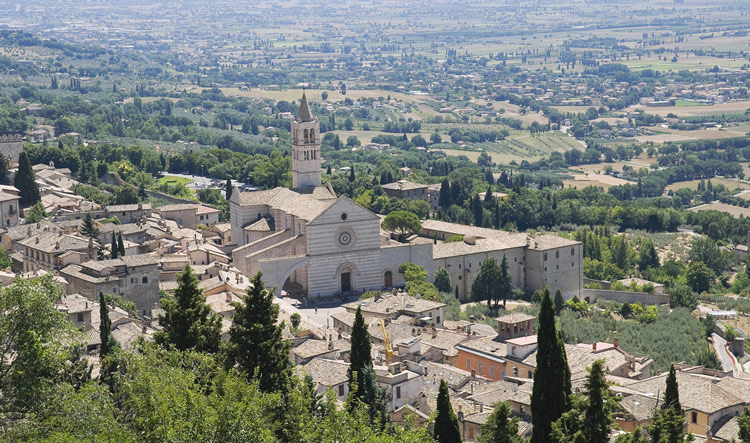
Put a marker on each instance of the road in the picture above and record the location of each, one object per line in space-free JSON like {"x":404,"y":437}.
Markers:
{"x":318,"y":313}
{"x":727,"y":362}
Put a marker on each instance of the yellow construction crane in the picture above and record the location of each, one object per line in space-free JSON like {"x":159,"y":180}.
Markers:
{"x":388,"y":348}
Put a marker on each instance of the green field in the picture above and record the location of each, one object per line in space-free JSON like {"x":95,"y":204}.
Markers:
{"x":172,"y":180}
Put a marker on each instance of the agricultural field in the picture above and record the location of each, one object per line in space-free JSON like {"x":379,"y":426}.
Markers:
{"x":581,"y":181}
{"x":734,"y":211}
{"x":674,"y":135}
{"x":693,"y":184}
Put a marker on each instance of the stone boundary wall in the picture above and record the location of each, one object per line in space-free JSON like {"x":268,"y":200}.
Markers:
{"x":623,"y":297}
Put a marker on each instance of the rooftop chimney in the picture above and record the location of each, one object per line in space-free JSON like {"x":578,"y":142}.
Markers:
{"x":616,"y":343}
{"x":594,"y":346}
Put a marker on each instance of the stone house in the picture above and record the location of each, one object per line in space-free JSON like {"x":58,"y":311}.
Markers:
{"x":182,"y":213}
{"x":406,"y":190}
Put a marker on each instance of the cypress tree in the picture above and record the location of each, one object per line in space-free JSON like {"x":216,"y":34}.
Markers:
{"x":328,"y":170}
{"x":4,"y":173}
{"x":120,"y":244}
{"x":496,"y":214}
{"x":114,"y":247}
{"x":445,"y":194}
{"x":351,"y":173}
{"x":360,"y":354}
{"x":105,"y":328}
{"x":506,"y":282}
{"x":256,"y":343}
{"x":25,"y":181}
{"x":446,"y":422}
{"x":597,"y":422}
{"x":672,"y":393}
{"x":478,"y":210}
{"x":551,"y":391}
{"x":228,"y":190}
{"x":188,"y":321}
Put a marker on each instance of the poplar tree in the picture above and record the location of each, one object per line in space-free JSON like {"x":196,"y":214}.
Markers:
{"x":551,"y":391}
{"x":446,"y":422}
{"x":256,"y":344}
{"x":187,"y":320}
{"x":105,"y":328}
{"x":25,"y":181}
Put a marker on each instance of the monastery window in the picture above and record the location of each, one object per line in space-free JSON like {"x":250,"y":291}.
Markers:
{"x":572,"y":265}
{"x":307,"y":155}
{"x":80,"y":317}
{"x":521,"y":409}
{"x":459,"y":277}
{"x":492,"y":372}
{"x":545,"y":256}
{"x":312,"y":135}
{"x":479,"y":367}
{"x":398,"y":392}
{"x":459,"y":266}
{"x":531,"y":375}
{"x":572,"y":251}
{"x":557,"y":254}
{"x":144,"y":280}
{"x":557,"y":267}
{"x":515,"y":371}
{"x":306,"y":136}
{"x":694,"y":417}
{"x":341,"y":390}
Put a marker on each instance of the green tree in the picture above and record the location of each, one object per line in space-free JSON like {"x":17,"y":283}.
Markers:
{"x":445,"y":195}
{"x":4,"y":173}
{"x":105,"y":328}
{"x":114,"y":248}
{"x":699,"y":277}
{"x":559,"y":302}
{"x":446,"y":423}
{"x":681,"y":295}
{"x":551,"y":391}
{"x":647,"y":256}
{"x":88,"y":228}
{"x":487,"y":282}
{"x":125,"y":195}
{"x":667,"y":427}
{"x":46,"y":346}
{"x":360,"y":356}
{"x":120,"y":245}
{"x":500,"y":427}
{"x":256,"y":343}
{"x":597,"y":422}
{"x":404,"y":223}
{"x":352,"y":176}
{"x":295,"y":320}
{"x":25,"y":181}
{"x":744,"y":424}
{"x":228,"y":190}
{"x":505,"y":288}
{"x":188,"y":321}
{"x":35,"y":214}
{"x":442,"y":280}
{"x":5,"y":261}
{"x":672,"y":392}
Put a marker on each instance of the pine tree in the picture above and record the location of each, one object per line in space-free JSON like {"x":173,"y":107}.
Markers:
{"x":4,"y":173}
{"x":500,"y":427}
{"x":672,"y":393}
{"x":446,"y":422}
{"x":559,"y":302}
{"x":88,"y":229}
{"x":114,"y":249}
{"x":228,"y":190}
{"x":256,"y":344}
{"x":105,"y":328}
{"x":360,"y":356}
{"x":667,"y":426}
{"x":25,"y":181}
{"x":188,"y":321}
{"x":551,"y":391}
{"x":597,"y":422}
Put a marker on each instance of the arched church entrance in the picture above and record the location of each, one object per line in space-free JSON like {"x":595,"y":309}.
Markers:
{"x":346,"y":280}
{"x":388,"y":279}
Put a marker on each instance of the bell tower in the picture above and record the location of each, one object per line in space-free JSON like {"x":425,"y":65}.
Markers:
{"x":305,"y":148}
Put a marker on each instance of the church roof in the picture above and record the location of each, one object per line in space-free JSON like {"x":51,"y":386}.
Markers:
{"x":304,"y":114}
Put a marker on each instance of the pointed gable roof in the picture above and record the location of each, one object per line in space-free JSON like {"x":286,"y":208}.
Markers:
{"x":304,"y":114}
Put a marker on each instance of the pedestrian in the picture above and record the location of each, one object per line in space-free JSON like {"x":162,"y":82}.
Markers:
{"x":316,"y":310}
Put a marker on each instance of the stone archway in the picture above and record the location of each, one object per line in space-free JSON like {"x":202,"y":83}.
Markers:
{"x":388,"y":279}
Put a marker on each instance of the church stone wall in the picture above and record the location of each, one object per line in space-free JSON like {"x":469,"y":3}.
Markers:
{"x":462,"y":269}
{"x":562,"y":270}
{"x":393,"y":256}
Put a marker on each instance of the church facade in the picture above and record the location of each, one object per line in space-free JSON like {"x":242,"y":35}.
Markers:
{"x":308,"y":241}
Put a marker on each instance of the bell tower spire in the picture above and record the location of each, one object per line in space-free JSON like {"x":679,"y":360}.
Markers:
{"x":305,"y":148}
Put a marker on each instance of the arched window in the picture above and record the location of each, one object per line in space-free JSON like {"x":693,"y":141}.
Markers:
{"x":144,"y":280}
{"x":307,"y":155}
{"x":312,"y":135}
{"x":306,"y":136}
